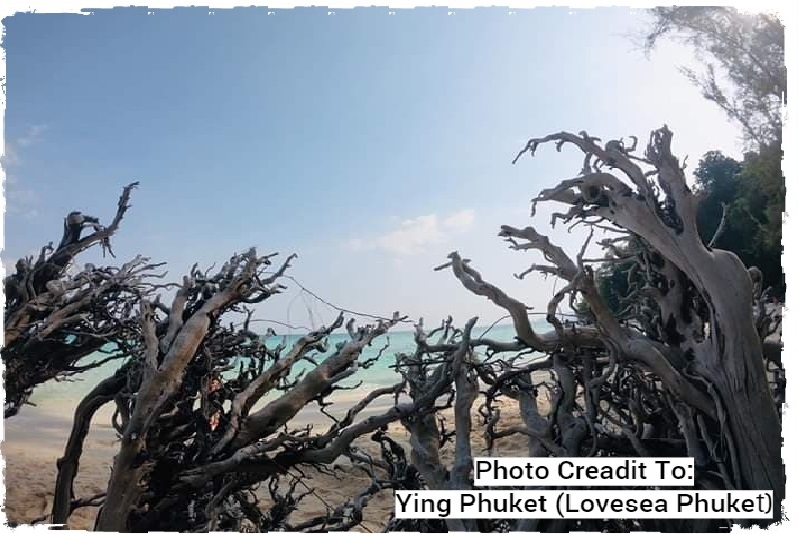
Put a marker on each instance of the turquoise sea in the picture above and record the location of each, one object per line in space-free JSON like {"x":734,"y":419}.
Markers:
{"x":61,"y":397}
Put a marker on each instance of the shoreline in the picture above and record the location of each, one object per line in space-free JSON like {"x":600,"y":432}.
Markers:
{"x":35,"y":438}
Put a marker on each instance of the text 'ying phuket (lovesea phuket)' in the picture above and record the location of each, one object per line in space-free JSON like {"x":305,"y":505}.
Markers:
{"x":583,"y":473}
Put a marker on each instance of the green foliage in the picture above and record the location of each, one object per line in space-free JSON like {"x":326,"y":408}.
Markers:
{"x":753,"y":192}
{"x":748,"y":49}
{"x":763,"y":200}
{"x":614,"y":284}
{"x":743,"y":56}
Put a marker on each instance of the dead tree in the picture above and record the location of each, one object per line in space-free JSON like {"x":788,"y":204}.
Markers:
{"x":53,"y":320}
{"x":680,"y":372}
{"x":199,"y":432}
{"x":684,"y":372}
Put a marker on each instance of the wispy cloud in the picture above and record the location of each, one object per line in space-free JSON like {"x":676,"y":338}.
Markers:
{"x":459,"y":220}
{"x":11,"y":151}
{"x":416,"y":235}
{"x":20,"y":199}
{"x":33,"y":134}
{"x":9,"y":157}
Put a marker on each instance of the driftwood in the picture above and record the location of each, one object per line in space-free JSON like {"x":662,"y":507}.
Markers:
{"x":683,"y":371}
{"x":197,"y":432}
{"x":53,"y":320}
{"x":689,"y":368}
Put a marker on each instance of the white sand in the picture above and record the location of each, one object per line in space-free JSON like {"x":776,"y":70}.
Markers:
{"x":35,"y":439}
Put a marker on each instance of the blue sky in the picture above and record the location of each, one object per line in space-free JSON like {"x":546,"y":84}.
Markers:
{"x":371,"y":144}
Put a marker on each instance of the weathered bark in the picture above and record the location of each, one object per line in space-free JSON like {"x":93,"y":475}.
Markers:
{"x":163,"y":372}
{"x":177,"y":469}
{"x":52,"y":320}
{"x":682,"y":373}
{"x":730,"y":358}
{"x":698,"y":336}
{"x":68,"y":464}
{"x":425,"y":437}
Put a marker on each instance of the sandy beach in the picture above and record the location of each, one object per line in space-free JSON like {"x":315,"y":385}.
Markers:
{"x":35,"y":439}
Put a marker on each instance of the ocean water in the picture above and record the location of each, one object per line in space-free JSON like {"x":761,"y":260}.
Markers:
{"x":61,"y":397}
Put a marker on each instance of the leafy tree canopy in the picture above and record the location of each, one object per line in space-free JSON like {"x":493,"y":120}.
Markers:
{"x":745,"y":49}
